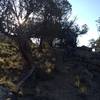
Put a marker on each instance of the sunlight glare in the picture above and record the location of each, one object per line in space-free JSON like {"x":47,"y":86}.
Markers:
{"x":21,"y":21}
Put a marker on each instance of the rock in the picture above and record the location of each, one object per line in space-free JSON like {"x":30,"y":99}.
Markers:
{"x":3,"y":93}
{"x":6,"y":94}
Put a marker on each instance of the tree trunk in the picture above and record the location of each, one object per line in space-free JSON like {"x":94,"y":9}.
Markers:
{"x":25,"y":49}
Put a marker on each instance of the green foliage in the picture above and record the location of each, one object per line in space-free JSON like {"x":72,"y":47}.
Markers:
{"x":45,"y":59}
{"x":11,"y":62}
{"x":9,"y":55}
{"x":81,"y":86}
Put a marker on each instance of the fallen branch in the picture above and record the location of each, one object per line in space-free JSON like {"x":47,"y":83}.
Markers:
{"x":25,"y":78}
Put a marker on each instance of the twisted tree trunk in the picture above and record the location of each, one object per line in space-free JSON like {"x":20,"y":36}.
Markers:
{"x":25,"y":49}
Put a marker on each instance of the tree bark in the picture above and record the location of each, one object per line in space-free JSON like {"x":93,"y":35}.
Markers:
{"x":25,"y":49}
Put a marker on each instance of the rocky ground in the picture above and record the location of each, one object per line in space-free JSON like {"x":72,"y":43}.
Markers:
{"x":77,"y":78}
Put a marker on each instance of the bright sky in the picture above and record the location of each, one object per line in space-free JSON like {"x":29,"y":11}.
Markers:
{"x":87,"y":12}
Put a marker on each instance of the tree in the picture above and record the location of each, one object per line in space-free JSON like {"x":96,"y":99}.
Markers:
{"x":70,"y":31}
{"x":95,"y":44}
{"x":98,"y":24}
{"x":20,"y":20}
{"x":46,"y":20}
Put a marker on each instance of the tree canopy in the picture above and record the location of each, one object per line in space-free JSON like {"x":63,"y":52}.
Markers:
{"x":98,"y":24}
{"x":95,"y":44}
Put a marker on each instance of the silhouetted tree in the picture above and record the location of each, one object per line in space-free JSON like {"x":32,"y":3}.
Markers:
{"x":43,"y":19}
{"x":95,"y":44}
{"x":19,"y":20}
{"x":70,"y":31}
{"x":98,"y":24}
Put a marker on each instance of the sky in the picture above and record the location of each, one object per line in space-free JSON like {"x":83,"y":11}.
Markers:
{"x":87,"y":12}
